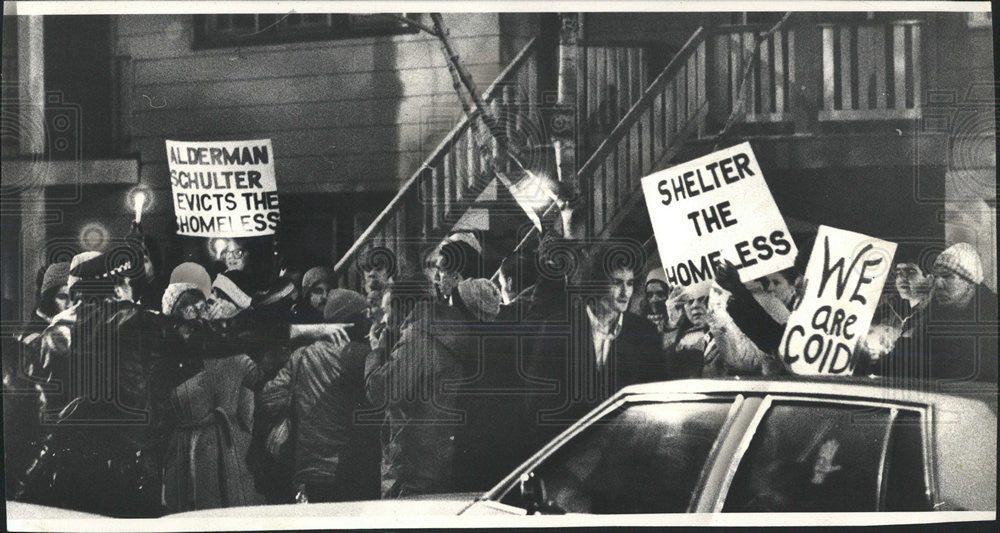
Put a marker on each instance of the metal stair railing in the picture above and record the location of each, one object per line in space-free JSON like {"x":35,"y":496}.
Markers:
{"x":671,"y":110}
{"x":453,"y":175}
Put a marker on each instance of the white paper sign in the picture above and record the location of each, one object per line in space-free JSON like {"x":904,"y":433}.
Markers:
{"x":717,"y":207}
{"x":224,"y":188}
{"x":845,"y":276}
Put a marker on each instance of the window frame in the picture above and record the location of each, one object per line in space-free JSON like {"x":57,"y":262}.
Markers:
{"x":273,"y":35}
{"x":894,"y":408}
{"x":737,"y":403}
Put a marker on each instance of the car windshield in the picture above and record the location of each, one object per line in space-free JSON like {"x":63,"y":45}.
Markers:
{"x":642,"y":458}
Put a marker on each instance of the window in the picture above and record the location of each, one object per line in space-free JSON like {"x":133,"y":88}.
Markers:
{"x":254,"y":29}
{"x":643,"y":458}
{"x":814,"y":457}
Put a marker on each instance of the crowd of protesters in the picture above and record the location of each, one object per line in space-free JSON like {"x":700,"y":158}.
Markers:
{"x":235,"y":390}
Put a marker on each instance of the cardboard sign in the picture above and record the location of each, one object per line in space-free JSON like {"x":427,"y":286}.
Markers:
{"x":845,"y":276}
{"x":223,"y":189}
{"x":717,"y":207}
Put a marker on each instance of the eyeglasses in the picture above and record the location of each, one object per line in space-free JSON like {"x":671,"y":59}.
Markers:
{"x":235,"y":254}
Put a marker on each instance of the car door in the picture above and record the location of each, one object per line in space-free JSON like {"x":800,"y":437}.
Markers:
{"x":827,"y":455}
{"x":640,"y":455}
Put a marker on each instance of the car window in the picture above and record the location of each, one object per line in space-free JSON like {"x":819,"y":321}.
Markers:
{"x":643,"y":458}
{"x":812,"y":457}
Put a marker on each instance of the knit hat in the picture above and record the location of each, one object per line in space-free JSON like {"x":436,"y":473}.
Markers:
{"x":56,"y":275}
{"x":344,"y":305}
{"x":228,"y":284}
{"x":657,"y":274}
{"x":481,"y":297}
{"x":193,"y":273}
{"x":313,"y":276}
{"x":963,"y":260}
{"x":174,"y":292}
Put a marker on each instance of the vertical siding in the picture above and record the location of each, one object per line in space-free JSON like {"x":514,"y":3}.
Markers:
{"x":345,"y":115}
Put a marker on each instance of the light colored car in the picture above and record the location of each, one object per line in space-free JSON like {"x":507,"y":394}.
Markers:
{"x":738,"y":445}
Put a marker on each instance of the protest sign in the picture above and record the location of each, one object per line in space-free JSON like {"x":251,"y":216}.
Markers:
{"x":224,"y":188}
{"x":717,"y":207}
{"x":846,"y":273}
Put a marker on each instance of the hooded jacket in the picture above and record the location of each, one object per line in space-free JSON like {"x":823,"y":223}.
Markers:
{"x":417,"y":388}
{"x":322,"y":388}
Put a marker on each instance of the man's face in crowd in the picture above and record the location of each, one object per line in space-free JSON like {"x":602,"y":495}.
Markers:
{"x":780,"y":288}
{"x":950,"y":289}
{"x":696,"y":309}
{"x":236,"y":256}
{"x":430,"y":266}
{"x":444,"y":280}
{"x":123,"y":290}
{"x":911,"y":283}
{"x":620,"y":289}
{"x":317,"y":295}
{"x":375,"y":279}
{"x":62,"y":299}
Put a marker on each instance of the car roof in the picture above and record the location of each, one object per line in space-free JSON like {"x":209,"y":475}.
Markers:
{"x":877,"y":389}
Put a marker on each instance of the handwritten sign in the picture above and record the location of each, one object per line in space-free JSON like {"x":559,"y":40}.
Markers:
{"x":224,"y":189}
{"x":846,"y":272}
{"x":717,"y":207}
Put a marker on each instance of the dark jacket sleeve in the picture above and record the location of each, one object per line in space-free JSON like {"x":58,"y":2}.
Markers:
{"x":754,"y":321}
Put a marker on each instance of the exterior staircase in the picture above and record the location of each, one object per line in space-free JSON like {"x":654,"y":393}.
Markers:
{"x":722,"y":76}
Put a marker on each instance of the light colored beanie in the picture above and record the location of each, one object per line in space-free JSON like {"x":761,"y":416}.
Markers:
{"x":173,"y":293}
{"x":193,"y":273}
{"x":962,"y":259}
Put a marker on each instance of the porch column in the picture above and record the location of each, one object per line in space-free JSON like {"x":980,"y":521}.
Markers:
{"x":31,"y":145}
{"x":566,"y":127}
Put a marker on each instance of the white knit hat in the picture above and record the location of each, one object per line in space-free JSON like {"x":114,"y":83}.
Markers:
{"x":962,"y":259}
{"x":657,"y":274}
{"x":173,"y":292}
{"x":232,"y":290}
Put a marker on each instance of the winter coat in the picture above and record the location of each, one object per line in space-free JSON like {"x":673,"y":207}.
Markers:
{"x":321,"y":389}
{"x":416,"y":387}
{"x":100,"y":453}
{"x":205,"y":465}
{"x":930,"y":349}
{"x":22,"y":400}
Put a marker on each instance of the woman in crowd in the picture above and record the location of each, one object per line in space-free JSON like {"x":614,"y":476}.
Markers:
{"x":693,"y":347}
{"x":211,"y":412}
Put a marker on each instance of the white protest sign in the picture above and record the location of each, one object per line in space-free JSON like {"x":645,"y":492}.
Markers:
{"x":717,"y":207}
{"x":845,"y":276}
{"x":223,"y":188}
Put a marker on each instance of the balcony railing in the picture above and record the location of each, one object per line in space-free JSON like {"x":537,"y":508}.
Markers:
{"x":671,"y":110}
{"x":771,"y":76}
{"x":871,"y":71}
{"x":614,"y":78}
